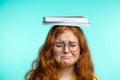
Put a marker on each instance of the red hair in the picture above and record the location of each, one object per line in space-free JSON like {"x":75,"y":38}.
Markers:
{"x":46,"y":67}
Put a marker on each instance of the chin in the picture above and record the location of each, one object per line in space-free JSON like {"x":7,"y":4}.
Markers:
{"x":67,"y":64}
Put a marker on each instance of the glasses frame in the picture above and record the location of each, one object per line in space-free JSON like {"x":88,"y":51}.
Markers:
{"x":68,"y":45}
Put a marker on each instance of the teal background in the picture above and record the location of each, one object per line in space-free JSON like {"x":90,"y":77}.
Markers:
{"x":22,"y":33}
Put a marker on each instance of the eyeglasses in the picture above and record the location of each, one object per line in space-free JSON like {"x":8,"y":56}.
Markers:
{"x":61,"y":46}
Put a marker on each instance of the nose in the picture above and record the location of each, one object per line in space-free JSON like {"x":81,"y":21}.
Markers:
{"x":66,"y":49}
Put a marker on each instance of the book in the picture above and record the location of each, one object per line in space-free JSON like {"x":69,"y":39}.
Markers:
{"x":66,"y":20}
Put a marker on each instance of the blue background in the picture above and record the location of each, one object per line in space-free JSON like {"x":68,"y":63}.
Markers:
{"x":22,"y":33}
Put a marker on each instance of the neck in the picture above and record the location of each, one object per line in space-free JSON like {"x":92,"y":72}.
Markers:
{"x":66,"y":73}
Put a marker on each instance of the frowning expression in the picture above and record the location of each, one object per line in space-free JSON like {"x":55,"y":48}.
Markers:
{"x":66,"y":49}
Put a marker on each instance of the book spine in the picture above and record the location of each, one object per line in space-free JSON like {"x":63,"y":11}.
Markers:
{"x":67,"y":23}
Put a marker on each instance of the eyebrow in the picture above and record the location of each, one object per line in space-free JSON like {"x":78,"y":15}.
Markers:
{"x":59,"y":42}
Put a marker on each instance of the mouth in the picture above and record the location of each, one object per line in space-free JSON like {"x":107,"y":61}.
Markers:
{"x":66,"y":57}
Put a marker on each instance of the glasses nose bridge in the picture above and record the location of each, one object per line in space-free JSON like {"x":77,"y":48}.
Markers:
{"x":66,"y":45}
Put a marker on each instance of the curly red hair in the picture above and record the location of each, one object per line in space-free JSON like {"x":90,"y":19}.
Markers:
{"x":46,"y":67}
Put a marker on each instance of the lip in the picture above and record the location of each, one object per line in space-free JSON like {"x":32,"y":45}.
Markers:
{"x":66,"y":57}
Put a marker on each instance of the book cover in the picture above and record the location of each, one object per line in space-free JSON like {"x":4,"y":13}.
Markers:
{"x":66,"y":20}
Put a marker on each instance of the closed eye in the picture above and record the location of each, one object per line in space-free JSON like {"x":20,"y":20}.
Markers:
{"x":72,"y":45}
{"x":59,"y":45}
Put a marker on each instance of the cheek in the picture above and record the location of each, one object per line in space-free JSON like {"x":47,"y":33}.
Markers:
{"x":56,"y":56}
{"x":76,"y":55}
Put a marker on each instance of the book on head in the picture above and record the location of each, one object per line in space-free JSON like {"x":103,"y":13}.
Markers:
{"x":66,"y":20}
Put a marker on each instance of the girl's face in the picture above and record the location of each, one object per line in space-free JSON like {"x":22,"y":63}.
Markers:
{"x":66,"y":49}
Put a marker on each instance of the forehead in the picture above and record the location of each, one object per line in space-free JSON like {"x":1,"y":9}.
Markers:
{"x":67,"y":36}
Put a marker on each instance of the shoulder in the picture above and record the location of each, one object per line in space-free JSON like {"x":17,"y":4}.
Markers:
{"x":95,"y":77}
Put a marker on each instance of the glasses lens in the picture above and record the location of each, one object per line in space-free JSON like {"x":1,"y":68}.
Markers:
{"x":73,"y":47}
{"x":59,"y":47}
